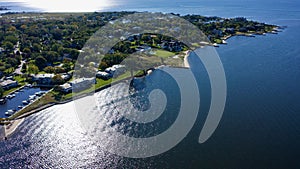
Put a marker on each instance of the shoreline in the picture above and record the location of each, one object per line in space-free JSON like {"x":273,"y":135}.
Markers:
{"x":9,"y":129}
{"x":185,"y":59}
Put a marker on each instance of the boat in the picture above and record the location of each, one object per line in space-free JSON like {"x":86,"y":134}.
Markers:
{"x":9,"y":112}
{"x":40,"y":93}
{"x":25,"y":102}
{"x":2,"y":101}
{"x":32,"y":97}
{"x":20,"y":107}
{"x":9,"y":96}
{"x":28,"y":85}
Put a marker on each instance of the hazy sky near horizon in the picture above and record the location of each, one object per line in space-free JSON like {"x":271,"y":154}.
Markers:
{"x":65,"y":5}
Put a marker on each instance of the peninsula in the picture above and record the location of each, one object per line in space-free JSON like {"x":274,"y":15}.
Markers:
{"x":41,"y":49}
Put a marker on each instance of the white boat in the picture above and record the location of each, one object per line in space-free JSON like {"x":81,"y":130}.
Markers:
{"x":25,"y":102}
{"x":9,"y":96}
{"x":9,"y":112}
{"x":28,"y":85}
{"x":32,"y":97}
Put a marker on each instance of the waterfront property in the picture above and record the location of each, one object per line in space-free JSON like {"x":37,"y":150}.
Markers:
{"x":115,"y":70}
{"x":77,"y":84}
{"x":103,"y":75}
{"x":43,"y":79}
{"x":23,"y":97}
{"x":82,"y":83}
{"x":65,"y":88}
{"x":7,"y":84}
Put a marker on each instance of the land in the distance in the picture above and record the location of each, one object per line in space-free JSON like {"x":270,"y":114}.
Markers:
{"x":42,"y":48}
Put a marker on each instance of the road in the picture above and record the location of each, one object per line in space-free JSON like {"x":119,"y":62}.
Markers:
{"x":19,"y":69}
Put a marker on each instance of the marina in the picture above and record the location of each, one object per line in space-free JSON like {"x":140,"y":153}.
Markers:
{"x":19,"y":99}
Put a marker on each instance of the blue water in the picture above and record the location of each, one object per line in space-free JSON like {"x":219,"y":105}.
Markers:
{"x":260,"y":127}
{"x":21,"y":95}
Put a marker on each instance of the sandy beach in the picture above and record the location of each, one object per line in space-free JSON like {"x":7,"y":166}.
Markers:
{"x":186,"y":62}
{"x":7,"y":130}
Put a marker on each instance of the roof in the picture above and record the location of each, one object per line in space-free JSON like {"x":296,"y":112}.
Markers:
{"x":102,"y":73}
{"x":65,"y":86}
{"x":8,"y":82}
{"x":47,"y":75}
{"x":80,"y":80}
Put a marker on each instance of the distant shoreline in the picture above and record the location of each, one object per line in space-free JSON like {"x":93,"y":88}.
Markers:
{"x":220,"y":38}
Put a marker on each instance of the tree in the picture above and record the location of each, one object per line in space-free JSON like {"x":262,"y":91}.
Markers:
{"x":1,"y":92}
{"x":32,"y":69}
{"x":52,"y":56}
{"x":57,"y":79}
{"x":41,"y":62}
{"x":8,"y":46}
{"x":74,"y":54}
{"x":12,"y":61}
{"x":24,"y":68}
{"x":67,"y":65}
{"x":27,"y":52}
{"x":49,"y":69}
{"x":103,"y":65}
{"x":11,"y":39}
{"x":36,"y":47}
{"x":59,"y":69}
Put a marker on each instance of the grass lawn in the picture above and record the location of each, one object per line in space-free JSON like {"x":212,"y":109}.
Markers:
{"x":21,"y":82}
{"x":100,"y":83}
{"x":163,"y":53}
{"x":55,"y":96}
{"x":46,"y":99}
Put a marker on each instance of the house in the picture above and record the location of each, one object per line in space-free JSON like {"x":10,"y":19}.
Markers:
{"x":173,"y":46}
{"x":65,"y":76}
{"x":45,"y":79}
{"x":7,"y":84}
{"x":103,"y":75}
{"x":143,"y":48}
{"x":82,"y":83}
{"x":230,"y":30}
{"x":243,"y":29}
{"x":66,"y":88}
{"x":116,"y":70}
{"x":217,"y":32}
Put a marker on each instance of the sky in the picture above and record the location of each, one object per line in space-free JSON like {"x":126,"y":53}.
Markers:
{"x":65,"y":5}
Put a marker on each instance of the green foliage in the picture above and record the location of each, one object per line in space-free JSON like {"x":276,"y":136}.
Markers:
{"x":32,"y":69}
{"x":40,"y":62}
{"x":8,"y":45}
{"x":1,"y":92}
{"x":24,"y":68}
{"x":49,"y":69}
{"x":64,"y":35}
{"x":57,"y":79}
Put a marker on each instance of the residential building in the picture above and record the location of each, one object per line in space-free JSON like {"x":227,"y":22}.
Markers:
{"x":44,"y":79}
{"x":7,"y":84}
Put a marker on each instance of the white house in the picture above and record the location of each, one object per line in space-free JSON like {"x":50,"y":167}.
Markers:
{"x":43,"y":78}
{"x":9,"y":84}
{"x":116,"y":70}
{"x":66,"y":88}
{"x":103,"y":75}
{"x":82,"y":83}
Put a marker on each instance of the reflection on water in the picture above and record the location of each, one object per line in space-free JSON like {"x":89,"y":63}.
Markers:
{"x":55,"y":137}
